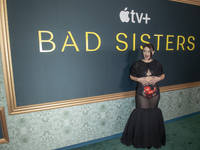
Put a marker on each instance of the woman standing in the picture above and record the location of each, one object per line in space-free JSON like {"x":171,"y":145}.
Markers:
{"x":145,"y":127}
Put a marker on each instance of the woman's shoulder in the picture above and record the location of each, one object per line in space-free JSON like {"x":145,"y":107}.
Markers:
{"x":155,"y":60}
{"x":140,"y":62}
{"x":137,"y":62}
{"x":157,"y":63}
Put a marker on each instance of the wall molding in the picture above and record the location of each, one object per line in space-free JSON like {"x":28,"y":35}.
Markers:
{"x":13,"y":109}
{"x":192,"y":2}
{"x":4,"y":129}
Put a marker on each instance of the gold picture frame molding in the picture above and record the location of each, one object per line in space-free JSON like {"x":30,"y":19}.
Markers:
{"x":13,"y":109}
{"x":192,"y":2}
{"x":5,"y":138}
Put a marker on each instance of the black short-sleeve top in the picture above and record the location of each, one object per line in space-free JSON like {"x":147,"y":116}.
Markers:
{"x":143,"y":69}
{"x":140,"y":68}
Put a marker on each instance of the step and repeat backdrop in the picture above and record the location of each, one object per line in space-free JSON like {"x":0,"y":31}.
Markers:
{"x":64,"y":49}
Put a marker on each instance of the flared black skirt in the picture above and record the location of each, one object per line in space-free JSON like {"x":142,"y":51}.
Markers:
{"x":145,"y":128}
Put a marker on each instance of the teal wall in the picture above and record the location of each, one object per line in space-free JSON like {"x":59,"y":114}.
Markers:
{"x":45,"y":130}
{"x":106,"y":70}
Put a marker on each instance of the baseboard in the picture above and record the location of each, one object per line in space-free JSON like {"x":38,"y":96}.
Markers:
{"x":90,"y":142}
{"x":117,"y":135}
{"x":182,"y":117}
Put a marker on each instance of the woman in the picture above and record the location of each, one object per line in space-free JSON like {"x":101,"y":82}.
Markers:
{"x":145,"y":127}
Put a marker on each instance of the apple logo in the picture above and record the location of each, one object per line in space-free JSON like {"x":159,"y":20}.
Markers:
{"x":123,"y":15}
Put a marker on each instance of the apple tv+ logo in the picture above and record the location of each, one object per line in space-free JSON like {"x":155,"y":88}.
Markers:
{"x":124,"y":16}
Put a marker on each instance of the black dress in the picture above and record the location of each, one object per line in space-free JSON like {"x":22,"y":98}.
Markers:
{"x":145,"y":126}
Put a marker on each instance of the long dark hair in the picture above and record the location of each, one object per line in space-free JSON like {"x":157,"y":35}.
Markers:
{"x":150,"y":46}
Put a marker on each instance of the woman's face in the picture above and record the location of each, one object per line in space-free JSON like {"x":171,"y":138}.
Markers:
{"x":147,"y":53}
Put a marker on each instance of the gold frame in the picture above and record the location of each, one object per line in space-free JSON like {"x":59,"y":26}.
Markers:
{"x":4,"y":126}
{"x":9,"y":81}
{"x":192,"y":2}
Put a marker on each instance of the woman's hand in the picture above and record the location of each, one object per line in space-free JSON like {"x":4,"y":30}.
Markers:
{"x":154,"y":80}
{"x":143,"y":81}
{"x":146,"y":80}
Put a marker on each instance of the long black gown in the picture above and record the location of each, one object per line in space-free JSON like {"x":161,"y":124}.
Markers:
{"x":145,"y":126}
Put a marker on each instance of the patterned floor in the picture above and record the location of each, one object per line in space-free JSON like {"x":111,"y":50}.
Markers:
{"x":183,"y":134}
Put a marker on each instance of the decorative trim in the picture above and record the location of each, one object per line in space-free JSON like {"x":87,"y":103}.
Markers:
{"x":90,"y":142}
{"x":182,"y":117}
{"x":9,"y":81}
{"x":4,"y":126}
{"x":192,"y":2}
{"x":179,"y":86}
{"x":88,"y":100}
{"x":6,"y":56}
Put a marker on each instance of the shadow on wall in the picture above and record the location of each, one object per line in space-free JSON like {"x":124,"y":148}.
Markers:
{"x":126,"y":83}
